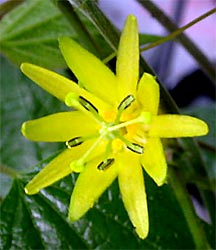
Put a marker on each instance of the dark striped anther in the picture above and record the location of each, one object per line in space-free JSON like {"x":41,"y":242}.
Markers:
{"x":74,"y":142}
{"x":105,"y":164}
{"x":87,"y":105}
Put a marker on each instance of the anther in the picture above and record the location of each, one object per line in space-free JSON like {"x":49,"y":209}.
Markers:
{"x":87,"y":105}
{"x":74,"y":142}
{"x":135,"y":148}
{"x":105,"y":164}
{"x":126,"y":102}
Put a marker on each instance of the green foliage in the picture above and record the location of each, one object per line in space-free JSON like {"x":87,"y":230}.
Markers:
{"x":29,"y":33}
{"x":148,"y":38}
{"x":106,"y":226}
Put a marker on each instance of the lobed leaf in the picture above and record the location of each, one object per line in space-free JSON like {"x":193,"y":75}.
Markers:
{"x":29,"y":33}
{"x":40,"y":221}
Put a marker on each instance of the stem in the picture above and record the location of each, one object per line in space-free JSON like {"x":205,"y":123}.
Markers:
{"x":8,"y":171}
{"x":178,"y":31}
{"x":110,"y":57}
{"x":207,"y":146}
{"x":91,"y":10}
{"x":183,"y":39}
{"x":68,"y":11}
{"x":171,"y":36}
{"x":187,"y":207}
{"x":198,"y":165}
{"x":8,"y":6}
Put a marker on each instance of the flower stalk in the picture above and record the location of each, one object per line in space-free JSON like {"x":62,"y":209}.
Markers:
{"x":194,"y":223}
{"x":187,"y":43}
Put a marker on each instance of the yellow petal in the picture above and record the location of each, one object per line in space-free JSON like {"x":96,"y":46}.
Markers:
{"x":172,"y":126}
{"x":127,"y":65}
{"x":58,"y":168}
{"x":133,"y":193}
{"x":148,"y":93}
{"x":90,"y":184}
{"x":90,"y":71}
{"x":59,"y":127}
{"x":153,"y":160}
{"x":58,"y":85}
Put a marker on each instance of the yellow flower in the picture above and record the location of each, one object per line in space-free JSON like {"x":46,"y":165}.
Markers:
{"x":114,"y":131}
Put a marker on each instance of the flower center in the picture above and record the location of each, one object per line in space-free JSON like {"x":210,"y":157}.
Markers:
{"x":114,"y":131}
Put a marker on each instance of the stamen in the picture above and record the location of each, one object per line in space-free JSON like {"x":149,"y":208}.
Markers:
{"x":87,"y":105}
{"x":135,"y":148}
{"x":78,"y":165}
{"x":126,"y":102}
{"x":124,"y":124}
{"x":105,"y":164}
{"x":132,"y":146}
{"x":74,"y":142}
{"x":80,"y":103}
{"x":144,"y":117}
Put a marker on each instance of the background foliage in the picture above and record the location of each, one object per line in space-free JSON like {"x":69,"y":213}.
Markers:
{"x":29,"y":32}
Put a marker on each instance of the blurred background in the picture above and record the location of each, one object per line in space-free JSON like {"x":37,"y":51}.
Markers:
{"x":174,"y":66}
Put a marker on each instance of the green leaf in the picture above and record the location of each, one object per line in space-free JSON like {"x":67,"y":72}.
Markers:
{"x":35,"y":223}
{"x":208,"y":150}
{"x":21,"y":100}
{"x":29,"y":33}
{"x":96,"y":16}
{"x":148,"y":38}
{"x":7,"y":6}
{"x":40,"y":221}
{"x":207,"y":113}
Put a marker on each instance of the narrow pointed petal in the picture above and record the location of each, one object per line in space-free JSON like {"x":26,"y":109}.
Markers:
{"x":90,"y":184}
{"x":127,"y":65}
{"x":172,"y":126}
{"x":50,"y":81}
{"x":58,"y":85}
{"x":148,"y":93}
{"x":154,"y":162}
{"x":58,"y":127}
{"x":58,"y":168}
{"x":132,"y":188}
{"x":91,"y":72}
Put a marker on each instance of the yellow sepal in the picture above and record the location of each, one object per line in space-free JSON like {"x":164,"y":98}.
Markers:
{"x":59,"y":127}
{"x":173,"y":126}
{"x":127,"y":65}
{"x":154,"y":162}
{"x":58,"y":168}
{"x":148,"y":93}
{"x":131,"y":183}
{"x":90,"y":184}
{"x":96,"y":77}
{"x":58,"y":85}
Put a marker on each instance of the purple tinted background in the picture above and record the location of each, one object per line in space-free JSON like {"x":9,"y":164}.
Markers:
{"x":179,"y":61}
